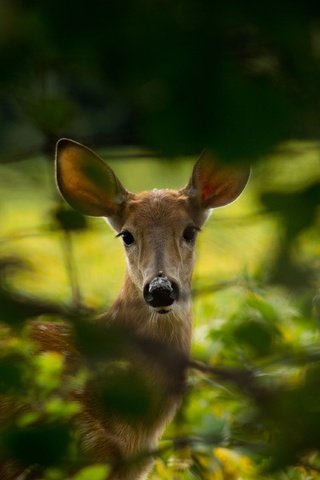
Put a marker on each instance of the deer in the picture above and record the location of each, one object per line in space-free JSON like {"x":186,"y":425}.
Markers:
{"x":158,"y":229}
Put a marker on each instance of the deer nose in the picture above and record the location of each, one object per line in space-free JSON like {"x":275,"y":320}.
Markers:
{"x":160,"y":292}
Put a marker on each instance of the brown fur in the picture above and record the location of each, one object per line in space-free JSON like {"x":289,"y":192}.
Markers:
{"x":108,"y":438}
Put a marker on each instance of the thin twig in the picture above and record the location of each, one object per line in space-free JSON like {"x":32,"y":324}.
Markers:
{"x":309,"y":466}
{"x":216,"y":287}
{"x":71,"y":270}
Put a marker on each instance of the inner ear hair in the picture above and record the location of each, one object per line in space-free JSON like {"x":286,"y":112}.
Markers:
{"x":86,"y":182}
{"x":214,"y":184}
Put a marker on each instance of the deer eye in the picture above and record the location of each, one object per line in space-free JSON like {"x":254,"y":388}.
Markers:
{"x":190,"y":233}
{"x":127,"y":237}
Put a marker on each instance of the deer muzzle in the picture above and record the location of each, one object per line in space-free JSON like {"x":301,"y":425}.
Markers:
{"x":160,"y":292}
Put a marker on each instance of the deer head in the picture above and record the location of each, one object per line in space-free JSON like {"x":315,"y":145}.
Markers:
{"x":159,"y":227}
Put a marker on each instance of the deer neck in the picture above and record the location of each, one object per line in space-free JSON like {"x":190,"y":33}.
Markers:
{"x":130,"y":310}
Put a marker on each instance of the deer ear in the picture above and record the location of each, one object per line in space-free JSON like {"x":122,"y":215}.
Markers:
{"x":86,"y":182}
{"x":214,"y":185}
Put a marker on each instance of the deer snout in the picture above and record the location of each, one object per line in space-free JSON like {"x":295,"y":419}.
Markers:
{"x":160,"y":292}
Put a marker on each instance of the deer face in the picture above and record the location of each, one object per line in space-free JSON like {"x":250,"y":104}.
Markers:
{"x":159,"y":234}
{"x":158,"y":228}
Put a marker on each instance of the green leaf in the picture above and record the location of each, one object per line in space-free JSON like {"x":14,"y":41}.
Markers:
{"x":265,"y":308}
{"x":93,"y":472}
{"x":11,"y":374}
{"x":48,"y":370}
{"x":69,"y":220}
{"x":43,"y":444}
{"x":126,"y":393}
{"x":256,"y":335}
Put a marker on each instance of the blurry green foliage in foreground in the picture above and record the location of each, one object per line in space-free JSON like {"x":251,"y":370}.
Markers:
{"x":251,"y":409}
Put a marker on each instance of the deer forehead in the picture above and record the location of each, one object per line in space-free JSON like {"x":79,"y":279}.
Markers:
{"x":158,"y":208}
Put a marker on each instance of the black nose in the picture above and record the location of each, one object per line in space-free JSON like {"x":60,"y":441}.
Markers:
{"x":160,"y":292}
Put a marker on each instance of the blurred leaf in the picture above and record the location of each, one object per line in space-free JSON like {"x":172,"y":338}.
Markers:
{"x":316,"y":305}
{"x":59,"y":408}
{"x":12,"y":374}
{"x":268,"y":312}
{"x":292,"y":274}
{"x":51,"y":114}
{"x":49,"y":368}
{"x":28,"y":418}
{"x":296,"y":209}
{"x":17,"y":307}
{"x":213,"y":425}
{"x":234,"y":463}
{"x":127,"y":394}
{"x":94,"y":472}
{"x":54,"y":474}
{"x":43,"y":444}
{"x":68,"y":219}
{"x":97,"y":340}
{"x":256,"y":335}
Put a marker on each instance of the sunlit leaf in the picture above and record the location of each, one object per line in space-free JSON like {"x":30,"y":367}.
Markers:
{"x":94,"y":472}
{"x":49,"y":368}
